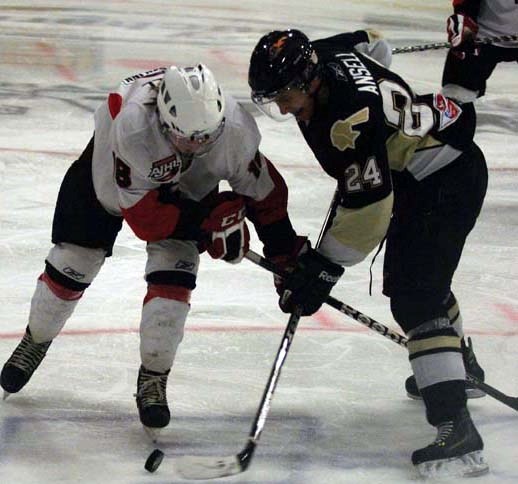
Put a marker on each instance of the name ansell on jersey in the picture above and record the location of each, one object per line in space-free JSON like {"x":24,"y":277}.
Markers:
{"x":359,"y":72}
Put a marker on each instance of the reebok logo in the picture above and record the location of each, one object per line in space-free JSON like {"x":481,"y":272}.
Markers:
{"x":73,"y":273}
{"x":325,"y":276}
{"x":184,"y":265}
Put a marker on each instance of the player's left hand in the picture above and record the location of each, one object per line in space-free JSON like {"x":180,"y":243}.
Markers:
{"x":228,"y":233}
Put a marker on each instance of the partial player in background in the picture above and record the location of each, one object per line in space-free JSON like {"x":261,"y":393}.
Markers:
{"x":407,"y":170}
{"x":469,"y":66}
{"x":162,"y":144}
{"x":466,"y":70}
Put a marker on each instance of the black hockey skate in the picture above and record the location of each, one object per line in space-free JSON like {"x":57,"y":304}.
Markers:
{"x":456,"y":451}
{"x":19,"y":368}
{"x":152,"y":400}
{"x":471,"y":365}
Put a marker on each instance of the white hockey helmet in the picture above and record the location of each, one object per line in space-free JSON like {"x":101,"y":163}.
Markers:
{"x":191,"y":106}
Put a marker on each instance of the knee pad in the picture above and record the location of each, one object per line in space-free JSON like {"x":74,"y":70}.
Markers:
{"x":172,"y":262}
{"x":69,"y":271}
{"x":73,"y":266}
{"x":410,"y":310}
{"x":435,"y":353}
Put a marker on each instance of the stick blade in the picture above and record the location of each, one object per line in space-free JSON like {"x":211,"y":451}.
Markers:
{"x":201,"y":467}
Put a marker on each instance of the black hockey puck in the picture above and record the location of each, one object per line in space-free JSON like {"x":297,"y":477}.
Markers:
{"x":154,"y":460}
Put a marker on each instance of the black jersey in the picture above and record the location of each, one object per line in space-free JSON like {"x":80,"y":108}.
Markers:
{"x":368,"y":122}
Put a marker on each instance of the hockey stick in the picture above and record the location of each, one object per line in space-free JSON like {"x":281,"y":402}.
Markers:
{"x":385,"y":331}
{"x":212,"y":467}
{"x":447,"y":45}
{"x":328,"y":219}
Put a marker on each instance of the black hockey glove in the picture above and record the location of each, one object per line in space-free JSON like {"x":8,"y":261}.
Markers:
{"x":310,"y":283}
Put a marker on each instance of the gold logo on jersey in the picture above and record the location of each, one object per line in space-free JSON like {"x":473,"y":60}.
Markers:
{"x":343,"y":135}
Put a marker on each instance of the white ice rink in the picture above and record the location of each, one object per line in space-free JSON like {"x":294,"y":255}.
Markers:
{"x":340,"y":413}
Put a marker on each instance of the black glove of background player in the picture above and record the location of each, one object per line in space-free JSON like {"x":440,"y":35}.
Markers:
{"x":462,"y":31}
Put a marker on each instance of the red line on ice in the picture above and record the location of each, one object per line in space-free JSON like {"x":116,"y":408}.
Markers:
{"x":198,"y":328}
{"x":65,"y":71}
{"x":509,"y":312}
{"x":42,"y":152}
{"x":326,"y":321}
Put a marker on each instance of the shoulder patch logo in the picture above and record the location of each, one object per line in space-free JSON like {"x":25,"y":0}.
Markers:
{"x":449,"y":111}
{"x":165,"y":170}
{"x":342,"y":134}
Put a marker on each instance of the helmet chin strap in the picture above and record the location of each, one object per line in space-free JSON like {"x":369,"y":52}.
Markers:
{"x":313,"y":94}
{"x":317,"y":93}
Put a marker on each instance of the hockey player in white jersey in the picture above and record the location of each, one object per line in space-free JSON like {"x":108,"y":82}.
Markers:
{"x":162,"y":144}
{"x":468,"y":67}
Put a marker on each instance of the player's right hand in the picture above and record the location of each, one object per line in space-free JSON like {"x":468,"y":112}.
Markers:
{"x":285,"y":263}
{"x":461,"y":29}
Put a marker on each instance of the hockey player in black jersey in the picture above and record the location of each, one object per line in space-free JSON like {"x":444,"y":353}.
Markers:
{"x":407,"y":170}
{"x":468,"y":67}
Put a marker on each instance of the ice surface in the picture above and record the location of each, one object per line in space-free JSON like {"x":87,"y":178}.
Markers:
{"x":340,"y":414}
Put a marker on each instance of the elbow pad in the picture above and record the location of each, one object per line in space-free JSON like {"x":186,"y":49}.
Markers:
{"x":377,"y":48}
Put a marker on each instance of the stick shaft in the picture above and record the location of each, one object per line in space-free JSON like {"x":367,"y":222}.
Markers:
{"x":385,"y":331}
{"x":275,"y":374}
{"x":447,"y":45}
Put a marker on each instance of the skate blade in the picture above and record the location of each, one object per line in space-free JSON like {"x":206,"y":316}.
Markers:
{"x":468,"y":465}
{"x":470,"y":393}
{"x":475,"y":393}
{"x":153,"y":433}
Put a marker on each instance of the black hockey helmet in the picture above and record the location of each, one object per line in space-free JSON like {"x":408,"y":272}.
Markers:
{"x":281,"y":59}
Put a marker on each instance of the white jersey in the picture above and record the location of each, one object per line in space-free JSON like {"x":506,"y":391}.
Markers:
{"x":128,"y":133}
{"x":498,"y":17}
